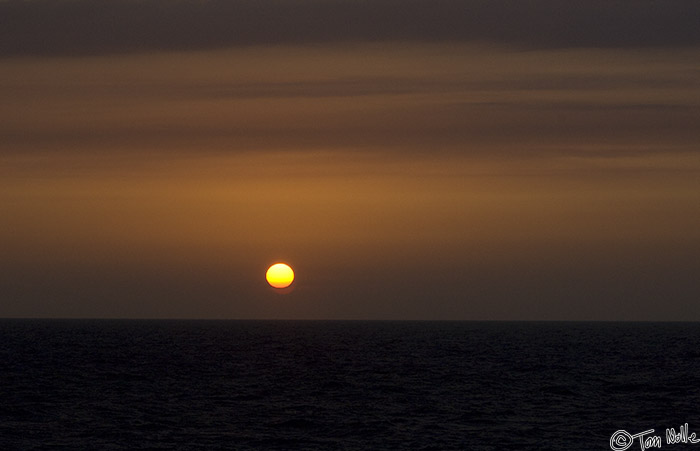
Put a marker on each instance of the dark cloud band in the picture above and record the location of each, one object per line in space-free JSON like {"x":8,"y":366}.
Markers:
{"x":93,"y":27}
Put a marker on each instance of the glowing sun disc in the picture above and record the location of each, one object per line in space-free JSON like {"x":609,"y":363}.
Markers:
{"x":279,"y":275}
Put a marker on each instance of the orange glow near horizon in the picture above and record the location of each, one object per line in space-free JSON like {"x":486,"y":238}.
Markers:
{"x":280,"y":275}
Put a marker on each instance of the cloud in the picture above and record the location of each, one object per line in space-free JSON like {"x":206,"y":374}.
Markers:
{"x":481,"y":102}
{"x":88,"y":27}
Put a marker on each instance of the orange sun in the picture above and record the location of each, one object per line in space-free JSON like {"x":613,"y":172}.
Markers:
{"x":280,"y":275}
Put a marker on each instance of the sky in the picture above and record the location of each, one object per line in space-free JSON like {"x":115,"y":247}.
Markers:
{"x":413,"y":159}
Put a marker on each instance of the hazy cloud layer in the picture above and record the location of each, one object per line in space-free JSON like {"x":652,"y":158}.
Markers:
{"x":433,"y":100}
{"x":89,"y":27}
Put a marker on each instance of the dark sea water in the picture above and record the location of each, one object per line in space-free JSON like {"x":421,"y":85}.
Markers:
{"x":282,"y":385}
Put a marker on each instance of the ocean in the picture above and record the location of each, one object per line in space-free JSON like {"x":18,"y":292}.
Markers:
{"x":346,"y":385}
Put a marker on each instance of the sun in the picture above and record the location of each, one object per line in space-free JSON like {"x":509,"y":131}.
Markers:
{"x":280,"y":275}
